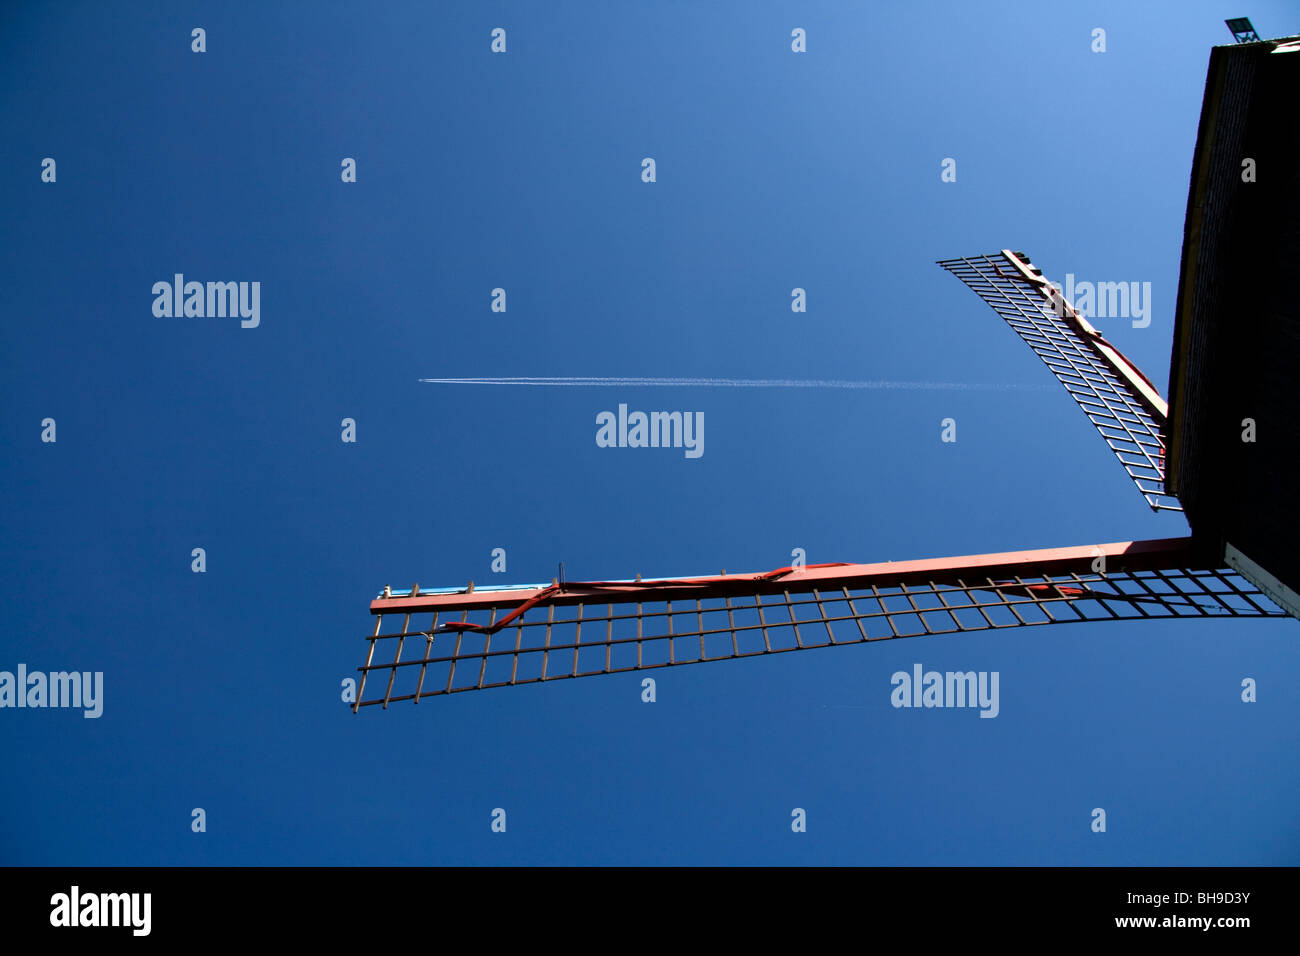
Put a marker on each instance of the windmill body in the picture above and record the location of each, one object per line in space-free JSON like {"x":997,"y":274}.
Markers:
{"x":1219,"y":450}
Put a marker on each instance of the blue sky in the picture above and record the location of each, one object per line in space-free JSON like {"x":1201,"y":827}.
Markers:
{"x":775,"y":170}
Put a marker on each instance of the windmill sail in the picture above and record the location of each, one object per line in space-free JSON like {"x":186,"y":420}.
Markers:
{"x":430,"y":643}
{"x":1117,"y":398}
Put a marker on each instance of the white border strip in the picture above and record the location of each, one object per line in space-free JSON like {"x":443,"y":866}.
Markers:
{"x":1287,"y":599}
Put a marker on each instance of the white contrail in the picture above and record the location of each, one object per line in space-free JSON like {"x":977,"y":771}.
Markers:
{"x":678,"y":382}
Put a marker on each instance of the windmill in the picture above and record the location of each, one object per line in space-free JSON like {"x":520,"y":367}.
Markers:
{"x":1236,"y":344}
{"x":447,"y":640}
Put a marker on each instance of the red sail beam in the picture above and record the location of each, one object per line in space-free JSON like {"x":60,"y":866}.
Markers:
{"x":1125,"y":555}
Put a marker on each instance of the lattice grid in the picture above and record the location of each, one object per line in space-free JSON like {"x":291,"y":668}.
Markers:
{"x":412,"y":658}
{"x":1129,"y":427}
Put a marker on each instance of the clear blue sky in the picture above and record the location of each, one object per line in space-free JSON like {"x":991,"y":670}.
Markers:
{"x":775,"y":170}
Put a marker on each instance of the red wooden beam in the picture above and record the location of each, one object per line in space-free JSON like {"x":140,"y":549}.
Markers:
{"x":1162,"y":553}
